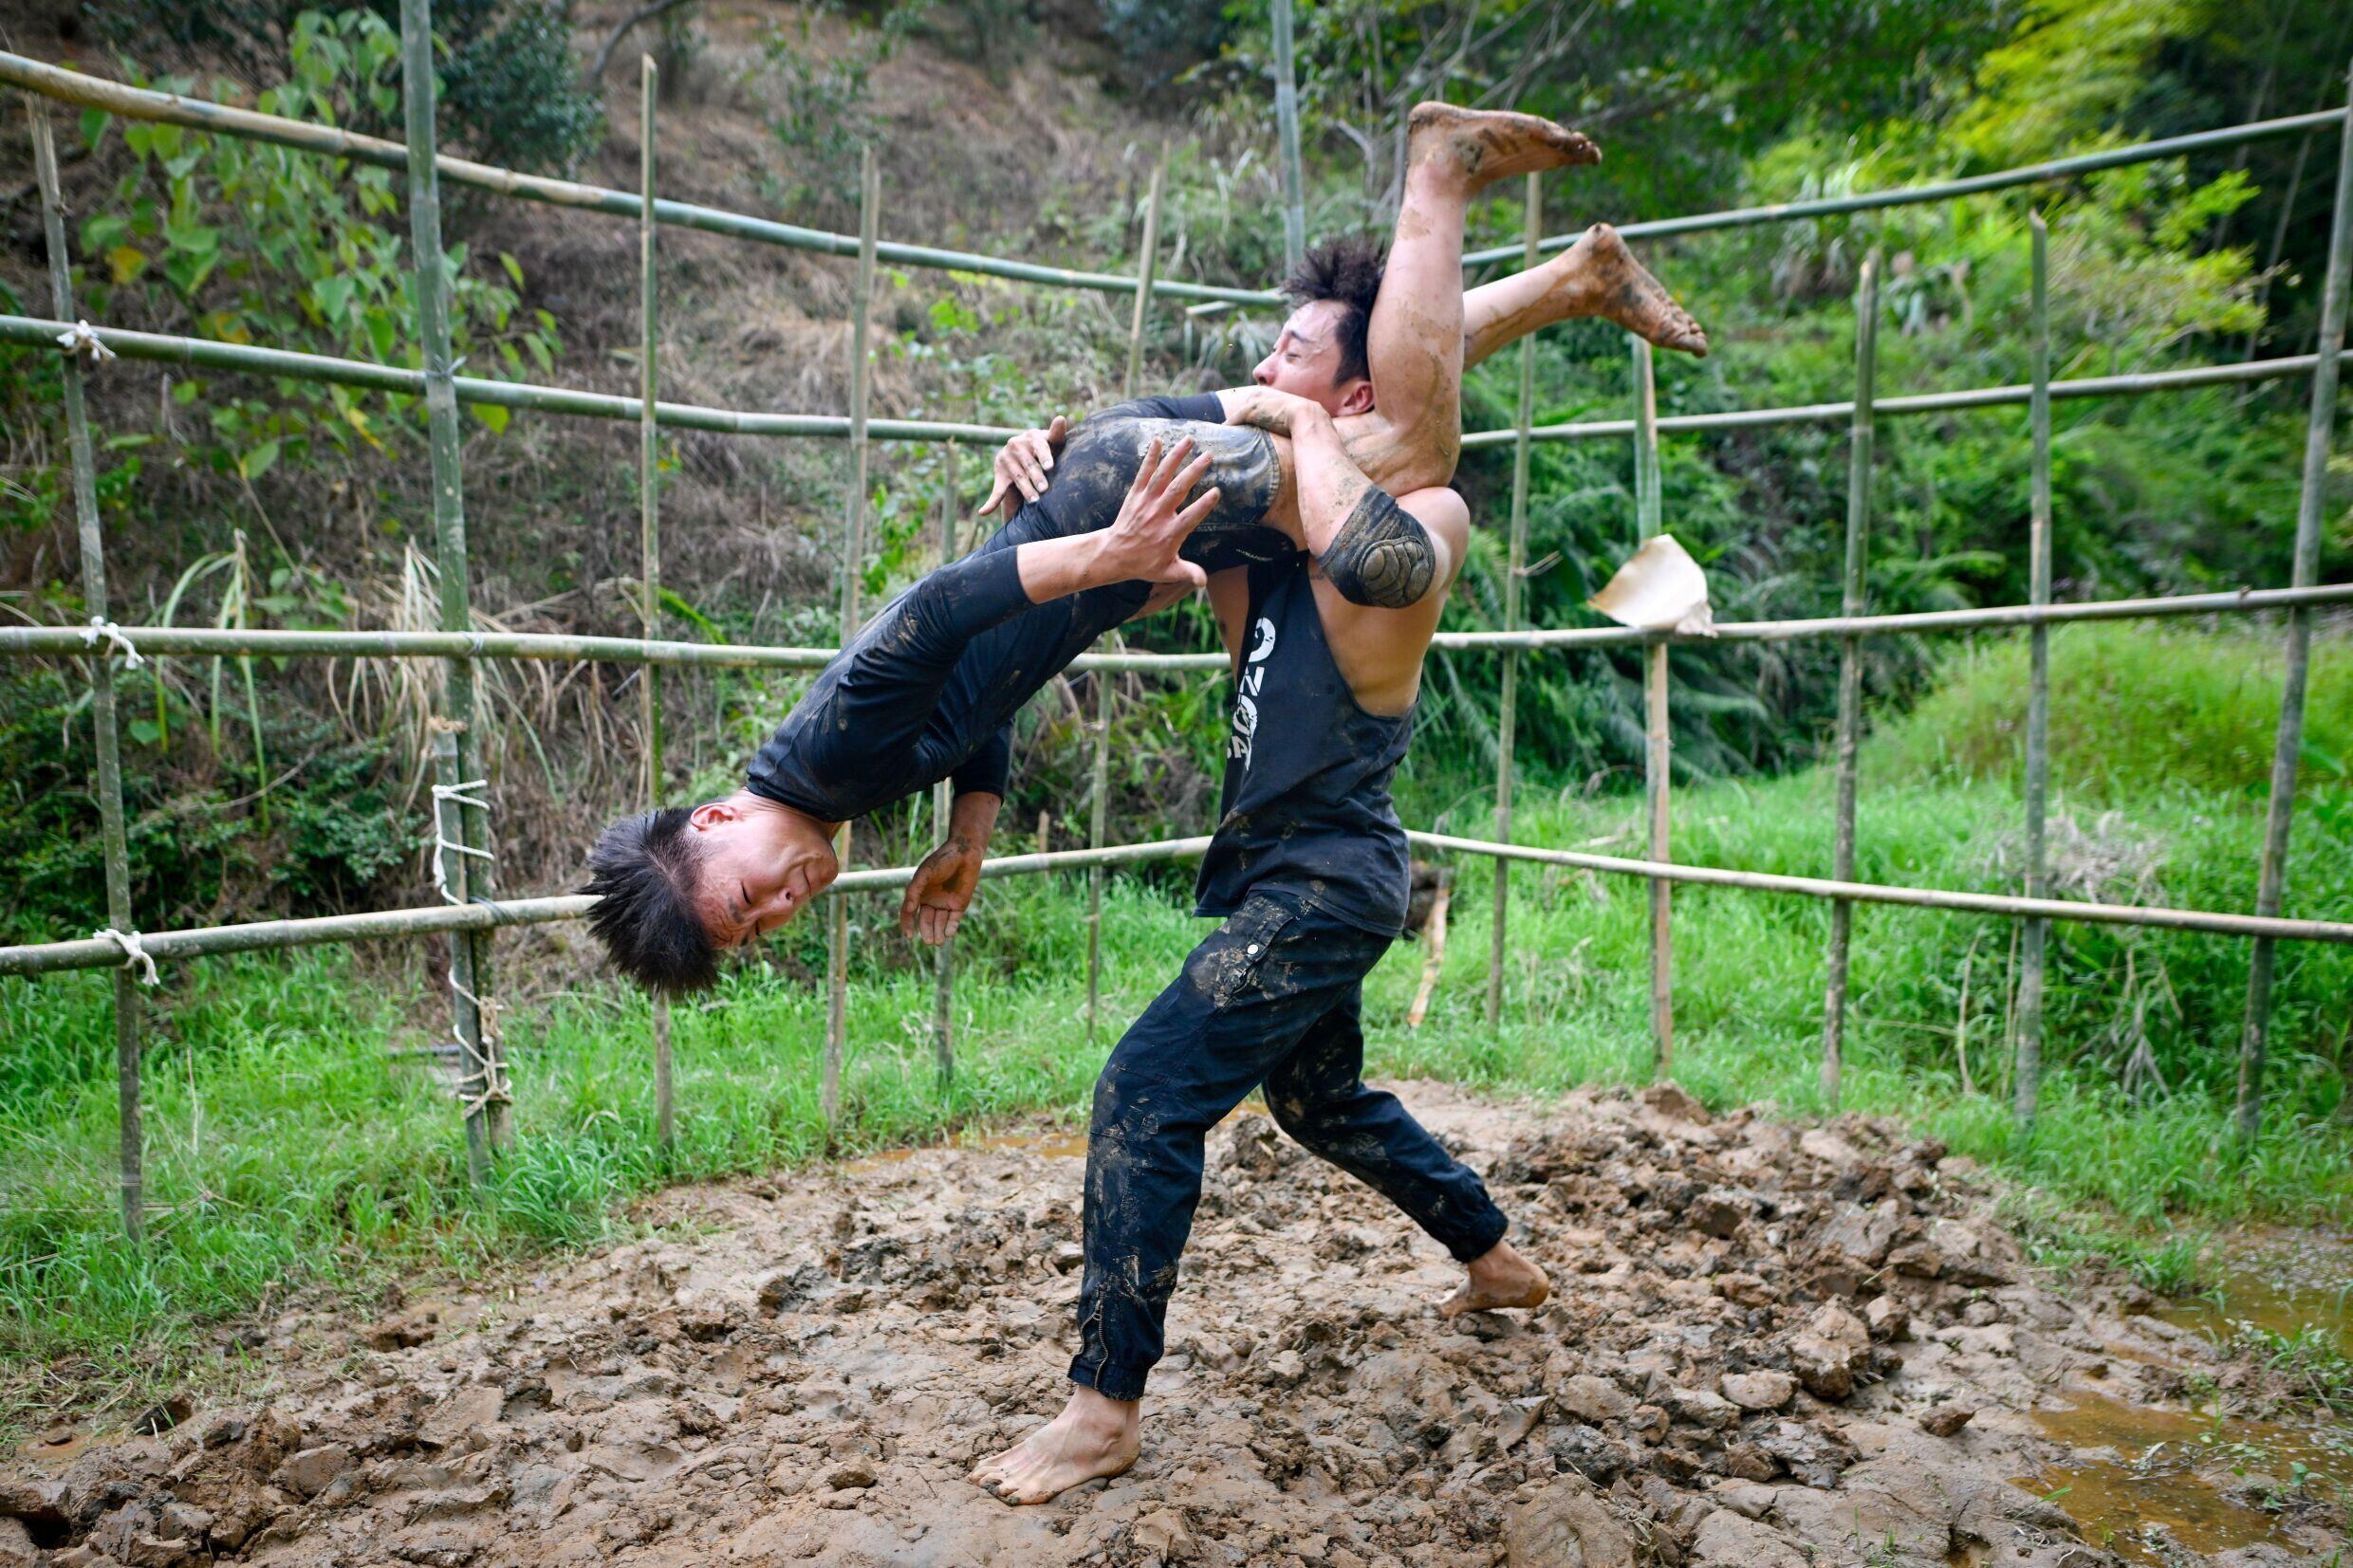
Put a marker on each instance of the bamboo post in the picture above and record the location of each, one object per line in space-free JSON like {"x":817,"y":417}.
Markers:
{"x":649,"y":542}
{"x":1287,"y":126}
{"x":1850,"y":673}
{"x":2306,"y":571}
{"x":853,"y":553}
{"x":943,"y":960}
{"x":448,"y":516}
{"x":1514,"y":576}
{"x":1649,"y":510}
{"x":1147,"y":269}
{"x":1100,"y":775}
{"x":92,"y":543}
{"x":2035,"y":934}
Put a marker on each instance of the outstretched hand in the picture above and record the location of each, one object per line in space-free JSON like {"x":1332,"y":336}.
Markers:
{"x":1021,"y":464}
{"x":941,"y":892}
{"x":1154,"y":520}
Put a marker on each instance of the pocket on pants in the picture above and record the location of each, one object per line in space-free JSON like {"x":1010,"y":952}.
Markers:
{"x":1236,"y":959}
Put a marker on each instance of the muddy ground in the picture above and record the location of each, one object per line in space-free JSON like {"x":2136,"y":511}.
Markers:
{"x":1769,"y":1346}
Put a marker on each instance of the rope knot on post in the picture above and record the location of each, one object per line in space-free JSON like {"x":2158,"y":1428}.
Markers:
{"x":82,"y":341}
{"x":101,"y":629}
{"x":134,"y":951}
{"x":462,"y":795}
{"x":485,"y":1064}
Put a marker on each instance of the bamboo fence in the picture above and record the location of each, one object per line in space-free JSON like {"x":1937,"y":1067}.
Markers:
{"x":472,"y":913}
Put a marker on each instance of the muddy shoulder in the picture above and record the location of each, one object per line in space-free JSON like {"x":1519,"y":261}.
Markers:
{"x":1768,"y":1345}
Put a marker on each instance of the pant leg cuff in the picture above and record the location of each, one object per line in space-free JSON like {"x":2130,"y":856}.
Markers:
{"x":1479,"y":1242}
{"x":1109,"y":1379}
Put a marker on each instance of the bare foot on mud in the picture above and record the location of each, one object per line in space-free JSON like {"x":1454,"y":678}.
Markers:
{"x":1499,"y":1278}
{"x":1492,"y":145}
{"x":1093,"y":1437}
{"x":1600,"y":271}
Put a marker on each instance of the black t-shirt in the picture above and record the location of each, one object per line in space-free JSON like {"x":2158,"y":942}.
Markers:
{"x":928,"y":688}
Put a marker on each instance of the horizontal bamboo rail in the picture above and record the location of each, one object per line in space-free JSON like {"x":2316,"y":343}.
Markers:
{"x":209,"y":641}
{"x":206,"y":353}
{"x":1909,"y":196}
{"x":254,"y":936}
{"x":67,"y":86}
{"x":2276,"y":927}
{"x":318,"y":931}
{"x":91,"y":92}
{"x":220,"y":641}
{"x":1917,"y":403}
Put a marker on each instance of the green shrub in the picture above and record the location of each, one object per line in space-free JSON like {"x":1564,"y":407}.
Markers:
{"x":2132,"y":705}
{"x":199,"y":842}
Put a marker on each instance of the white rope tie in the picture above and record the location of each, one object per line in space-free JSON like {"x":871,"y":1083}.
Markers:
{"x":134,"y":951}
{"x":461,"y":795}
{"x":480,"y":1064}
{"x":81,"y":340}
{"x":101,"y":629}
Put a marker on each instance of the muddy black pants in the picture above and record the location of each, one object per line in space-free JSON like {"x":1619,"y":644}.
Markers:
{"x":1273,"y":996}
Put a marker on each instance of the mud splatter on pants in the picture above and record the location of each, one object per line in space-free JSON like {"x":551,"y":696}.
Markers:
{"x":1273,"y":996}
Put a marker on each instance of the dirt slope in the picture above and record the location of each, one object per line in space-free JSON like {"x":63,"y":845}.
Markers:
{"x":1759,"y":1334}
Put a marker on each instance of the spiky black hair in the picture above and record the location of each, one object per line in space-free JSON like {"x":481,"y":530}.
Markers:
{"x":645,"y":871}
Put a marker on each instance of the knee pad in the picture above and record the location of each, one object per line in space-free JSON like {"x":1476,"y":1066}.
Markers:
{"x":1381,"y":556}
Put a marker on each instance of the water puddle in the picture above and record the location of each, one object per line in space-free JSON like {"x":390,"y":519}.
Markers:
{"x":2179,"y":1478}
{"x":1044,"y":1145}
{"x":2289,"y":1283}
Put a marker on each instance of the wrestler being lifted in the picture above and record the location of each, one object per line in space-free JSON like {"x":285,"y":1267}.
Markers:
{"x":1143,"y":500}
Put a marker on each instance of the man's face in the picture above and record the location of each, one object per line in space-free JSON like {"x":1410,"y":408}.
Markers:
{"x":759,"y":869}
{"x":1306,"y":362}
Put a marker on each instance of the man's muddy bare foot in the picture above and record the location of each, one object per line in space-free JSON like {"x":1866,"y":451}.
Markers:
{"x":1487,"y":145}
{"x":1093,"y":1437}
{"x":1499,"y":1278}
{"x":1622,"y":289}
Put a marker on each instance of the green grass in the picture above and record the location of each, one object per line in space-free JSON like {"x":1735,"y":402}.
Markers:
{"x":287,"y":1151}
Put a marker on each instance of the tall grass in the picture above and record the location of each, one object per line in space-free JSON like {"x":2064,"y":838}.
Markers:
{"x":289,"y":1150}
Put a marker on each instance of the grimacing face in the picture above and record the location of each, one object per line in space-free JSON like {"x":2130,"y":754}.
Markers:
{"x":1304,"y":362}
{"x":759,"y":868}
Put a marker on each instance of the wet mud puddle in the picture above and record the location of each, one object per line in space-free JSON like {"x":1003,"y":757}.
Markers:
{"x":2181,"y":1480}
{"x":2289,"y":1284}
{"x":2211,"y":1482}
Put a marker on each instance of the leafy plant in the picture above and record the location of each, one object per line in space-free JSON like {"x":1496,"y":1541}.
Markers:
{"x":509,"y":91}
{"x":262,"y":244}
